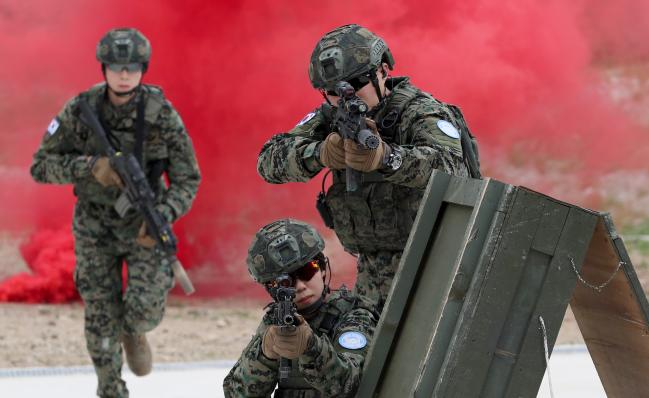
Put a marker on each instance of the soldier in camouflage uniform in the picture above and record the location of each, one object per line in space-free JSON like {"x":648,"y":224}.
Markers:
{"x":328,"y":348}
{"x":138,"y":119}
{"x":417,"y":135}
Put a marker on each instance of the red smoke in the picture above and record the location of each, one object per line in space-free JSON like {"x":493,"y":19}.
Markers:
{"x":49,"y":254}
{"x":526,"y":74}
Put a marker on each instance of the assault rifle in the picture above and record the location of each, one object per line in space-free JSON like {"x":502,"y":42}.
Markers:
{"x":350,"y":120}
{"x":137,"y":194}
{"x":285,"y":314}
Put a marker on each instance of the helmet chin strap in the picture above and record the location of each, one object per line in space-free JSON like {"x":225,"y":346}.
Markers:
{"x":125,"y":93}
{"x":375,"y":83}
{"x":379,"y":95}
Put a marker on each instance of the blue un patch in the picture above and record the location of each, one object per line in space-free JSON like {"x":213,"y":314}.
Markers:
{"x":352,"y":340}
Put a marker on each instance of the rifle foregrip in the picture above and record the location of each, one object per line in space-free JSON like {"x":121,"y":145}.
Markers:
{"x":182,"y":278}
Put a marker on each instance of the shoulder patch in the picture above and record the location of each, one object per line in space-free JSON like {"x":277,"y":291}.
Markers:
{"x":53,"y":126}
{"x":448,"y":129}
{"x":352,"y":340}
{"x":306,"y":118}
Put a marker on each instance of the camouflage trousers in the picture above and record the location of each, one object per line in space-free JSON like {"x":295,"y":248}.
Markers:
{"x":111,"y":311}
{"x":374,"y":275}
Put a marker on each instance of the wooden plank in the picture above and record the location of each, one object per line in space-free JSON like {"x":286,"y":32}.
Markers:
{"x":488,"y":303}
{"x":466,"y":192}
{"x":387,"y":329}
{"x":557,"y":289}
{"x":480,"y":227}
{"x":613,"y":322}
{"x":426,"y":302}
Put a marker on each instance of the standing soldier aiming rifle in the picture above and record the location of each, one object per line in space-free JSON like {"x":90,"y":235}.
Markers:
{"x":139,"y":123}
{"x":377,"y":186}
{"x":312,"y":341}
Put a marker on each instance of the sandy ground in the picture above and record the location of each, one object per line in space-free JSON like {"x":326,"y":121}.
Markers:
{"x":52,"y":335}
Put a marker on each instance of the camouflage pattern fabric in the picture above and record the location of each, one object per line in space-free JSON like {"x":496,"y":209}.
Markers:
{"x":62,"y":155}
{"x":374,"y":275}
{"x":123,"y":46}
{"x":108,"y":311}
{"x":344,"y":53}
{"x":380,"y":215}
{"x":326,"y":369}
{"x":282,"y":247}
{"x":103,"y":241}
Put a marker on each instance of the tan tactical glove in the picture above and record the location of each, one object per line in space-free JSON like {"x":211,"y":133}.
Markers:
{"x":292,"y":343}
{"x":366,"y":160}
{"x":286,"y":343}
{"x":371,"y":124}
{"x":268,"y":343}
{"x":332,"y":152}
{"x":143,"y":239}
{"x":104,"y":173}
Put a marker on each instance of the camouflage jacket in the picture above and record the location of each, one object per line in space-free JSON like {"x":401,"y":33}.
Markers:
{"x":326,"y":369}
{"x":66,"y":146}
{"x":381,"y":214}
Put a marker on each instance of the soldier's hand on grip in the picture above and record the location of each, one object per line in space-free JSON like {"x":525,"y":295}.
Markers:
{"x":268,"y":343}
{"x":366,"y":160}
{"x":371,"y":124}
{"x":332,"y":152}
{"x":104,"y":173}
{"x":292,"y":343}
{"x":143,"y":239}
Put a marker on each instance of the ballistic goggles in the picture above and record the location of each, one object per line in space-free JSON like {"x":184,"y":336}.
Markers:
{"x":130,"y":68}
{"x":304,"y":273}
{"x":357,"y":83}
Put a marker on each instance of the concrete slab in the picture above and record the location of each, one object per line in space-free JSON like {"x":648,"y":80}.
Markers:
{"x":185,"y":380}
{"x":572,"y":372}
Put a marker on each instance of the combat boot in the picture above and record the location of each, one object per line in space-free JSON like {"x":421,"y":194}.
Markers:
{"x":138,"y":353}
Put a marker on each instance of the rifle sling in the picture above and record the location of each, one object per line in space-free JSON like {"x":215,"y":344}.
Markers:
{"x":140,"y":130}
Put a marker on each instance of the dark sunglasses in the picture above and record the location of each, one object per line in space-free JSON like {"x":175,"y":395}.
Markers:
{"x":357,"y":83}
{"x":130,"y":68}
{"x":304,"y":273}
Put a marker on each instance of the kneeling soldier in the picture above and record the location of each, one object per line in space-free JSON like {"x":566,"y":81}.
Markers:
{"x":319,"y":349}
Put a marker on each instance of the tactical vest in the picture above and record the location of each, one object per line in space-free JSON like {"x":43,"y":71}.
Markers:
{"x":340,"y":303}
{"x":131,"y":133}
{"x":380,"y":215}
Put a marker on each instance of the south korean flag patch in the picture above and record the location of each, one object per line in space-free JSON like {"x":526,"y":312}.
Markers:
{"x":54,"y":126}
{"x":352,"y":340}
{"x":306,"y":118}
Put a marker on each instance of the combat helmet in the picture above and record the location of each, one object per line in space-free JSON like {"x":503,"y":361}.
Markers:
{"x":124,"y":46}
{"x":346,"y":53}
{"x":282,"y":247}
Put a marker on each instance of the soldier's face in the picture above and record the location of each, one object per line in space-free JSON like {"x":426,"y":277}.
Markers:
{"x":308,"y":292}
{"x":122,"y":81}
{"x":368,"y":94}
